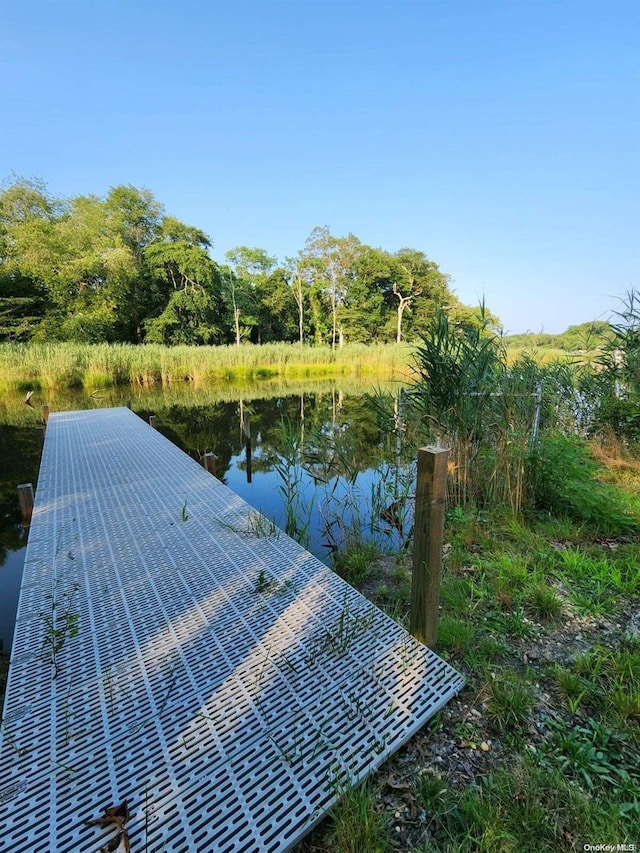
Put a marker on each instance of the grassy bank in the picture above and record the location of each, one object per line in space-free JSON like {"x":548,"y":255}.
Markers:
{"x":542,"y":615}
{"x":25,"y":367}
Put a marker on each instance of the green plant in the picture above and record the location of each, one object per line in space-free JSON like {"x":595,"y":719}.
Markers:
{"x":60,"y":622}
{"x":358,"y":825}
{"x":263,"y":582}
{"x":543,"y":602}
{"x":593,"y":754}
{"x":355,"y":561}
{"x":260,"y":526}
{"x":571,"y":686}
{"x":456,"y":635}
{"x":565,"y":482}
{"x":183,"y":513}
{"x":430,"y":791}
{"x":509,"y":701}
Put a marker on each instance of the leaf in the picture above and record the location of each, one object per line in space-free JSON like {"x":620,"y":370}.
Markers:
{"x":112,"y":816}
{"x":112,"y":845}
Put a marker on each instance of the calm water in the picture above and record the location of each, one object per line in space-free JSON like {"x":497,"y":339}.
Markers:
{"x":346,"y":473}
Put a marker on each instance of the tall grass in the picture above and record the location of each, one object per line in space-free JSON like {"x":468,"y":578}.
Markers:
{"x":469,"y":397}
{"x":53,"y":366}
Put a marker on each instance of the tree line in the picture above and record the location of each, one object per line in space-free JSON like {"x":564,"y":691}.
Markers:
{"x":118,"y":268}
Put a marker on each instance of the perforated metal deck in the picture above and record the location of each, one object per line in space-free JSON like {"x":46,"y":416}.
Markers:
{"x":222,"y":680}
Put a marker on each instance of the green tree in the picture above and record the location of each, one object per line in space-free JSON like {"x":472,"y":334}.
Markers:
{"x":25,"y":206}
{"x":418,"y":287}
{"x":330,"y":260}
{"x":135,"y":216}
{"x":364,"y":312}
{"x":250,"y":269}
{"x":188,"y":283}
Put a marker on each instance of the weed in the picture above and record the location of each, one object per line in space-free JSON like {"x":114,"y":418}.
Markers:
{"x":184,"y":515}
{"x":543,"y":602}
{"x":60,"y":623}
{"x":263,"y":582}
{"x":509,"y":702}
{"x":571,"y":686}
{"x":354,"y":562}
{"x":358,"y":826}
{"x":592,"y":754}
{"x":456,"y":635}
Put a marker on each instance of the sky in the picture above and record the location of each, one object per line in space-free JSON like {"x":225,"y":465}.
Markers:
{"x":500,"y":138}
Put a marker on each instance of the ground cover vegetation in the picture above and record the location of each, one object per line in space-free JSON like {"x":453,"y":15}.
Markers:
{"x":540,"y":608}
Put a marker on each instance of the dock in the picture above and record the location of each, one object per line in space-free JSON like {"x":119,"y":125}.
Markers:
{"x":185,"y":677}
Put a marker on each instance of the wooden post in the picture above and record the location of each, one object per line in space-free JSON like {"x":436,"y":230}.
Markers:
{"x":40,"y":438}
{"x":127,"y":403}
{"x":45,"y":413}
{"x":427,"y":543}
{"x":153,"y":421}
{"x":209,"y":462}
{"x":25,"y":496}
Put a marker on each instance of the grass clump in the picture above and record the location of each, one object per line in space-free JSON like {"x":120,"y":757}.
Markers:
{"x":543,"y":602}
{"x":354,"y":562}
{"x":358,"y":825}
{"x":509,"y":703}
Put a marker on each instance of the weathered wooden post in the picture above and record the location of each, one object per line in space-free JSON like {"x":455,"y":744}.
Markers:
{"x":127,"y":403}
{"x":45,"y":413}
{"x":209,"y":461}
{"x":246,"y":428}
{"x":153,"y":421}
{"x":40,"y":438}
{"x":25,"y":496}
{"x":431,"y":489}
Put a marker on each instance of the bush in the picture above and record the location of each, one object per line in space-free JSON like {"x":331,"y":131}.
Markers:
{"x":565,"y":483}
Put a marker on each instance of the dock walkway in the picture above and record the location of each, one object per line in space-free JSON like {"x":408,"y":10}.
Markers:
{"x":174,"y":650}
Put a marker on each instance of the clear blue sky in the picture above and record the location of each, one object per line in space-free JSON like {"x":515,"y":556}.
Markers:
{"x":501,"y":138}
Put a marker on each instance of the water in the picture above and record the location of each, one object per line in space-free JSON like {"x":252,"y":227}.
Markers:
{"x":345,"y":477}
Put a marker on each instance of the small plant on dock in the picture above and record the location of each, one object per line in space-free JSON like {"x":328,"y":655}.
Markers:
{"x":263,"y":582}
{"x":184,"y":513}
{"x":260,"y":526}
{"x":60,"y":622}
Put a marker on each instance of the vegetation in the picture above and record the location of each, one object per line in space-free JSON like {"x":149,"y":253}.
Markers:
{"x":93,"y":367}
{"x":540,"y":607}
{"x":118,"y":269}
{"x":576,"y":339}
{"x":538,"y":613}
{"x":539,"y":592}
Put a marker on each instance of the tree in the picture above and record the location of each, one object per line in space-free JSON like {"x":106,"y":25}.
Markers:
{"x":296,"y":280}
{"x":190,"y":282}
{"x":363,"y":312}
{"x":331,"y":259}
{"x":135,"y":216}
{"x":417,"y":282}
{"x":25,"y":207}
{"x":250,"y":268}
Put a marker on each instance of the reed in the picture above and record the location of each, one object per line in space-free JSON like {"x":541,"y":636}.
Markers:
{"x":468,"y":397}
{"x":63,"y":365}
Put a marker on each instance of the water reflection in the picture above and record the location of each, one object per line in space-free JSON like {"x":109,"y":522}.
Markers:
{"x":320,"y":454}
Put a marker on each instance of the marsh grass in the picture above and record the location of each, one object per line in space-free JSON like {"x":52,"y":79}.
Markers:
{"x":58,"y":366}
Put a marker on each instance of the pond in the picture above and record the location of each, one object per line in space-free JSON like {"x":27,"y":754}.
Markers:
{"x":324,"y":460}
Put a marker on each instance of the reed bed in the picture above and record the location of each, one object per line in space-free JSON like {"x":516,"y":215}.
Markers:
{"x":25,"y":367}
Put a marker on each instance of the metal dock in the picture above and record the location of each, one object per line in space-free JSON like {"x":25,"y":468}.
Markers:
{"x":174,"y":650}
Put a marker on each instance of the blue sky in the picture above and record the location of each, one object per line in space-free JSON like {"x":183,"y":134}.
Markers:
{"x":501,"y":138}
